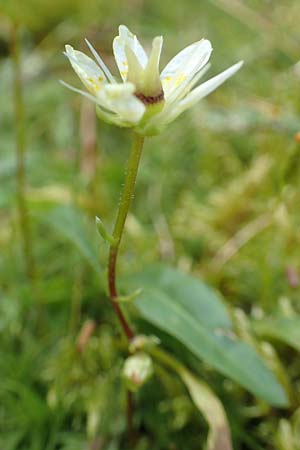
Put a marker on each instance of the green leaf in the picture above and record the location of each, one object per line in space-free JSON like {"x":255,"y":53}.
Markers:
{"x":191,"y":312}
{"x":191,"y":293}
{"x":285,"y":329}
{"x":219,"y":437}
{"x":69,"y":222}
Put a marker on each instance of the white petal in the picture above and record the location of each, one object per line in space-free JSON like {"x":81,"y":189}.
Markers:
{"x":120,"y":99}
{"x":100,"y":62}
{"x":194,"y":81}
{"x":88,"y":71}
{"x":105,"y":115}
{"x":170,"y":105}
{"x":182,"y":68}
{"x":202,"y":91}
{"x":117,"y":103}
{"x":127,"y":38}
{"x":206,"y":88}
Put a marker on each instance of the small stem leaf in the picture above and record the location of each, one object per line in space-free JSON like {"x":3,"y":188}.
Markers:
{"x":128,"y":298}
{"x":104,"y":233}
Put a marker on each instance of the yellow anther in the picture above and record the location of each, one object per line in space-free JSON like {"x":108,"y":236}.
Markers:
{"x":180,"y":79}
{"x":94,"y":86}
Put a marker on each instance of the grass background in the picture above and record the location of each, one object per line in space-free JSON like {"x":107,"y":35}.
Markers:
{"x":217,"y":195}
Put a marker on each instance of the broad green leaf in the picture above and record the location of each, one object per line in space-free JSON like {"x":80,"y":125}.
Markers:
{"x":69,"y":222}
{"x":285,"y":329}
{"x":219,"y":437}
{"x":191,"y":293}
{"x":186,"y":309}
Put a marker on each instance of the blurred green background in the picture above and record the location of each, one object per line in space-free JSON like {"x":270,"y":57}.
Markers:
{"x":217,"y":195}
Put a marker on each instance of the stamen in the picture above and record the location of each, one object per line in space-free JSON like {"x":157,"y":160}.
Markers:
{"x":79,"y":91}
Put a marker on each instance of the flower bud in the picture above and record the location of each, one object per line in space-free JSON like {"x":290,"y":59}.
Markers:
{"x":142,"y":342}
{"x":137,"y":370}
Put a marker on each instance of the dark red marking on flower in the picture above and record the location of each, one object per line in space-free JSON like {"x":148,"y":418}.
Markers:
{"x":151,"y":99}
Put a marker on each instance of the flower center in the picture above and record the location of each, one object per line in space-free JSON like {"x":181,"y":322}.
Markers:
{"x":145,"y":77}
{"x":150,"y":99}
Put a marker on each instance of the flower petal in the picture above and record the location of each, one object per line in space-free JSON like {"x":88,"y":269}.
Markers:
{"x":100,"y":62}
{"x":117,"y":102}
{"x":120,"y":99}
{"x":169,"y":106}
{"x":206,"y":88}
{"x":194,"y":81}
{"x":182,"y":68}
{"x":88,"y":71}
{"x":202,"y":91}
{"x":126,"y":38}
{"x":104,"y":114}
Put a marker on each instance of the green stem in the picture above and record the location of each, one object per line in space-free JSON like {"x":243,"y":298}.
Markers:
{"x":20,"y":157}
{"x":125,"y":202}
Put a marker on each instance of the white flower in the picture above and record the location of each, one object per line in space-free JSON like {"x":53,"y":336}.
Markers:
{"x":145,"y":99}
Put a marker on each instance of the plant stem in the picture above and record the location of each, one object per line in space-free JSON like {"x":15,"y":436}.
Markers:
{"x":125,"y":202}
{"x":130,"y":411}
{"x":20,"y":157}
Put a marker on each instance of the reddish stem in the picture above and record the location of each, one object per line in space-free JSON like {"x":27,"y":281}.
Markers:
{"x":125,"y":202}
{"x":113,"y":292}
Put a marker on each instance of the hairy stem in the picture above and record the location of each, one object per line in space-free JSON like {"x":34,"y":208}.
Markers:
{"x":125,"y":202}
